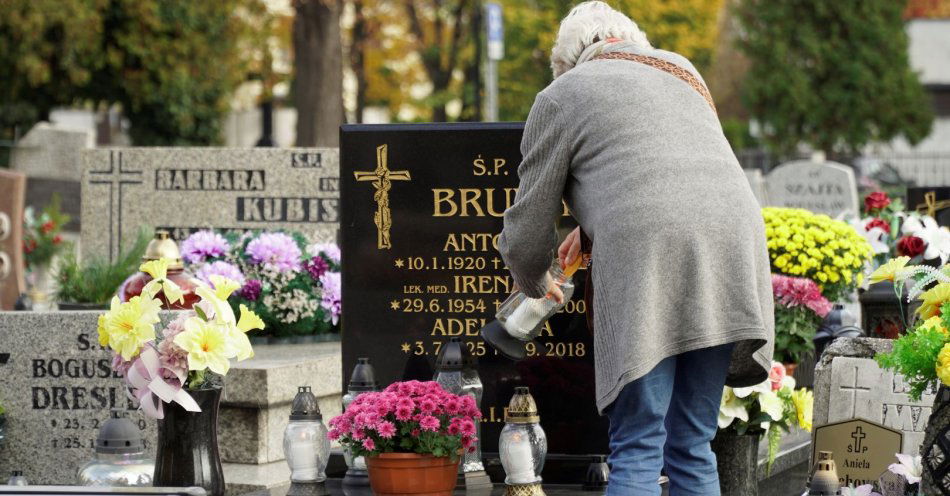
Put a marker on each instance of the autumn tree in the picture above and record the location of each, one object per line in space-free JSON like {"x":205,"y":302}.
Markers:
{"x":833,"y":75}
{"x":170,"y":64}
{"x":318,"y":65}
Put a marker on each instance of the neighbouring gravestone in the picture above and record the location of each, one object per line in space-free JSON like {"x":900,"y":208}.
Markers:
{"x":50,"y":158}
{"x":187,"y":189}
{"x":849,"y":384}
{"x":934,"y":202}
{"x":57,"y":388}
{"x":861,"y":450}
{"x":12,"y":186}
{"x":822,"y":187}
{"x":757,"y":183}
{"x":421,"y":210}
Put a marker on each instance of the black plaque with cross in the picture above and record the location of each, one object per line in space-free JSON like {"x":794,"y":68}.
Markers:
{"x":116,"y":177}
{"x":420,"y":266}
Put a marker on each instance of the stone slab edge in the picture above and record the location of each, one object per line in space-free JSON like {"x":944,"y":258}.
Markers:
{"x":841,"y":347}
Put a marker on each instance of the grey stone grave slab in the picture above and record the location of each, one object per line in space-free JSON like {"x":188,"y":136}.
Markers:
{"x":187,"y":189}
{"x":57,"y":388}
{"x":50,"y":158}
{"x":849,"y":384}
{"x":11,"y":238}
{"x":822,"y":187}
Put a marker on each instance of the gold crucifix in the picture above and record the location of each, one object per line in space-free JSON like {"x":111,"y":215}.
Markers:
{"x":381,"y":178}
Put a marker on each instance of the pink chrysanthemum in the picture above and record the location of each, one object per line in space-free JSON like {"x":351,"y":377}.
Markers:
{"x":800,"y":291}
{"x":333,"y":435}
{"x":429,"y":423}
{"x":386,"y":429}
{"x":220,"y":268}
{"x":403,"y":414}
{"x":275,"y":250}
{"x":203,"y":245}
{"x":467,"y":427}
{"x":369,"y":444}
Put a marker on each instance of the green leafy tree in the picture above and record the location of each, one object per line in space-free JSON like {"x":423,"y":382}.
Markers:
{"x":834,"y":75}
{"x":171,"y":64}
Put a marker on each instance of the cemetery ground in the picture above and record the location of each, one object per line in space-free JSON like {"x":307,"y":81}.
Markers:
{"x":416,"y":211}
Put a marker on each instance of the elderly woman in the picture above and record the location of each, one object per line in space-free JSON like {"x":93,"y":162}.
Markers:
{"x":628,"y":136}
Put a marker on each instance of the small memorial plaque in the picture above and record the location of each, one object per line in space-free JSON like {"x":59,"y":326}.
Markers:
{"x":57,"y":387}
{"x":422,"y":208}
{"x":862,"y":450}
{"x":187,"y":189}
{"x":823,"y":187}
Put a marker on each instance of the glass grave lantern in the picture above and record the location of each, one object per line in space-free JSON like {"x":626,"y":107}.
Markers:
{"x":522,"y":446}
{"x":362,"y":380}
{"x":839,"y":323}
{"x":162,"y":246}
{"x":120,"y":456}
{"x":306,"y":446}
{"x":520,"y":319}
{"x":882,"y":312}
{"x":455,"y":371}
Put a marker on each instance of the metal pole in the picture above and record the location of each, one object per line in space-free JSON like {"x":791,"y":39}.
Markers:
{"x":491,"y":83}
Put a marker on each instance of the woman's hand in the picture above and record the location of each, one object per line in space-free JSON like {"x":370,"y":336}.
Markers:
{"x":570,"y":248}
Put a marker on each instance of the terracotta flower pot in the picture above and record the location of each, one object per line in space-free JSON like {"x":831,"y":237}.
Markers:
{"x":412,"y":474}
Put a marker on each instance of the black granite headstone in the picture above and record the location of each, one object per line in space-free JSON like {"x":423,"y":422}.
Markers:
{"x":421,"y":210}
{"x":932,"y":201}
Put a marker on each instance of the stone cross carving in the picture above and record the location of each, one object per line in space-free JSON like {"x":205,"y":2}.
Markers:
{"x":382,"y":179}
{"x":115,"y":177}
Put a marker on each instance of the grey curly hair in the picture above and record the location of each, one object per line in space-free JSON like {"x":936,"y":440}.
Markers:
{"x":589,"y":23}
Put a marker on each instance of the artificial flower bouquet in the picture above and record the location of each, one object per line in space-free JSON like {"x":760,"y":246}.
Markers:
{"x":767,"y":409}
{"x":42,"y":238}
{"x":893,"y":232}
{"x":408,"y":417}
{"x":293,"y":287}
{"x":922,"y":355}
{"x":160,"y":364}
{"x":829,"y":252}
{"x":799,"y":309}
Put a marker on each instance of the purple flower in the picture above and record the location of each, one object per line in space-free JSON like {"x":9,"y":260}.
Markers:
{"x":331,"y":295}
{"x":330,"y":250}
{"x":275,"y":250}
{"x":202,"y":245}
{"x":251,"y":290}
{"x":220,"y":268}
{"x":316,"y":266}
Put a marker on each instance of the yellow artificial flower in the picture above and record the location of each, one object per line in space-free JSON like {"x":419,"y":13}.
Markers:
{"x":206,"y":344}
{"x":223,"y":287}
{"x":933,"y":300}
{"x":890,"y":270}
{"x":943,"y":365}
{"x":127,"y":326}
{"x":934,"y":322}
{"x":222,"y":310}
{"x":158,"y":269}
{"x":249,"y":320}
{"x":804,"y":401}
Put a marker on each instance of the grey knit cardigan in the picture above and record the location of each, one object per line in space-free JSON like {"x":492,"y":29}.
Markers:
{"x":679,"y":255}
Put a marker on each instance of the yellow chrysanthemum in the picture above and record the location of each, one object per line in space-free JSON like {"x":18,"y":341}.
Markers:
{"x":943,"y":365}
{"x":804,"y":401}
{"x":934,"y":322}
{"x":127,"y":326}
{"x":933,"y":300}
{"x":889,"y":271}
{"x":207,"y":345}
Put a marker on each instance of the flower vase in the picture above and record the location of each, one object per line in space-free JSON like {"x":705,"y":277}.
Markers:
{"x":187,"y":452}
{"x":41,"y":287}
{"x":935,"y":449}
{"x":406,"y":474}
{"x":737,"y":458}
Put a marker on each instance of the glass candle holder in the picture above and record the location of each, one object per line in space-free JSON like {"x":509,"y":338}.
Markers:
{"x":523,"y":445}
{"x":524,"y":317}
{"x":306,"y":444}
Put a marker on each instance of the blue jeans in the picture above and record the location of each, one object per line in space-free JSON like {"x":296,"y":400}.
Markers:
{"x":668,"y":418}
